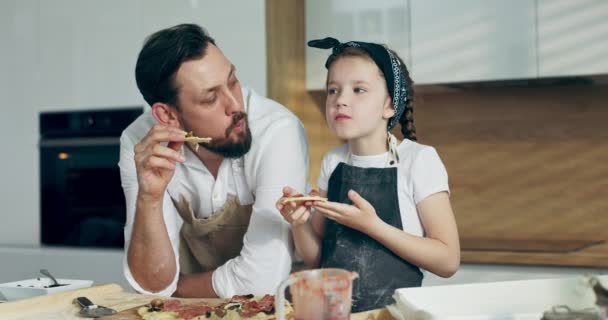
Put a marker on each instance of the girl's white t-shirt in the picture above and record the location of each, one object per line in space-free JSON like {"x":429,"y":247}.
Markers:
{"x":420,"y":172}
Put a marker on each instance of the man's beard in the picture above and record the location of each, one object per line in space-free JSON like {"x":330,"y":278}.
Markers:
{"x":227,"y":148}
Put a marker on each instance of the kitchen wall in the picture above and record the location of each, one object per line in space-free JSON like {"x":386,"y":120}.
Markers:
{"x":78,"y":54}
{"x":75,"y":54}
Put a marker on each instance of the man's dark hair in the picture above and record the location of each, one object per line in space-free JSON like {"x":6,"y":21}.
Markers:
{"x":162,"y":55}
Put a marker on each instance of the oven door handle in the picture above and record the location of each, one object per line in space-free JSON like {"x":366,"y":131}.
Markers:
{"x":79,"y":142}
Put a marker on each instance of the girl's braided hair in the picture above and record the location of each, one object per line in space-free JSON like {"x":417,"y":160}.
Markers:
{"x":407,"y":118}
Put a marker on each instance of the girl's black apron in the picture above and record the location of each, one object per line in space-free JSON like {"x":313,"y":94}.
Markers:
{"x":380,"y":270}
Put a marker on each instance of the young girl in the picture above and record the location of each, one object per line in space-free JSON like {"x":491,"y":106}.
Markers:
{"x":388,"y":212}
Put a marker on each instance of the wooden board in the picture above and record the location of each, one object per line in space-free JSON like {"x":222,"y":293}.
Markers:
{"x":380,"y":314}
{"x":526,"y":245}
{"x":131,"y":313}
{"x":594,"y":256}
{"x":59,"y":304}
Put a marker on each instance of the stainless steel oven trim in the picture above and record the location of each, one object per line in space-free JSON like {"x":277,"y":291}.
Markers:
{"x":80,"y":142}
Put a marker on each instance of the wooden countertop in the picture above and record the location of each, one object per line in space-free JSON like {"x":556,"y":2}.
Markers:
{"x":59,"y":306}
{"x":591,"y":253}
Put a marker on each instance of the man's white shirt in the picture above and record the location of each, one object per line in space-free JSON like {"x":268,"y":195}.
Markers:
{"x":278,"y":157}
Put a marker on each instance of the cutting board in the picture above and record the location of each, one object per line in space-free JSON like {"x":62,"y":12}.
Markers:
{"x":131,"y":314}
{"x":526,"y":245}
{"x":60,"y":306}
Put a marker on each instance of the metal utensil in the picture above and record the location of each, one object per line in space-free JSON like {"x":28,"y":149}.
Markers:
{"x":91,"y":310}
{"x":564,"y":312}
{"x":48,"y":274}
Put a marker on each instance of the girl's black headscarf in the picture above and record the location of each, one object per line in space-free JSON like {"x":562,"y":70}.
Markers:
{"x":384,"y":59}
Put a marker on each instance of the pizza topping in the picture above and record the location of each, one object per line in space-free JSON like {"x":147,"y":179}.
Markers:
{"x":171,"y":305}
{"x":253,"y":307}
{"x":156,"y":304}
{"x":186,"y":311}
{"x":220,"y":312}
{"x":193,"y":140}
{"x":195,"y":311}
{"x":239,"y":306}
{"x":232,"y":305}
{"x":241,"y":298}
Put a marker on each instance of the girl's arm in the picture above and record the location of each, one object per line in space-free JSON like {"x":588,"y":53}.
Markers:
{"x":308,"y":238}
{"x":439,"y":251}
{"x":307,"y":228}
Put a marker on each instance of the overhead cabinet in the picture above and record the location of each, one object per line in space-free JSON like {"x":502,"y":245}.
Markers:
{"x":383,"y":21}
{"x":469,"y":40}
{"x":472,"y":40}
{"x":572,"y":37}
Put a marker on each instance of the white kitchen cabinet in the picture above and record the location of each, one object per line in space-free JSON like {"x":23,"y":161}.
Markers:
{"x":572,"y":37}
{"x":472,"y":40}
{"x":18,"y":63}
{"x":19,"y":38}
{"x":382,"y":21}
{"x":237,"y":26}
{"x":88,"y":50}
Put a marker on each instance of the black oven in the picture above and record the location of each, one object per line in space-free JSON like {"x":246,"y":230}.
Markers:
{"x":81,"y":199}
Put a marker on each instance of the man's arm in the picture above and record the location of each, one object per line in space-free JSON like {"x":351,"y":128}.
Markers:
{"x":150,"y":231}
{"x":265,"y":260}
{"x":150,"y":255}
{"x":197,"y":285}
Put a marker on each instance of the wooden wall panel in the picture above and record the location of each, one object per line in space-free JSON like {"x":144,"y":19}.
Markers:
{"x":285,"y":41}
{"x":523,"y":162}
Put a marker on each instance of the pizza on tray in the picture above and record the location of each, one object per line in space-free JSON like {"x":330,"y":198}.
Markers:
{"x":239,"y":307}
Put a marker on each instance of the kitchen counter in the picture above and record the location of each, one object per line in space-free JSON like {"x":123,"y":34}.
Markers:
{"x":554,"y":252}
{"x":59,"y":306}
{"x":521,"y":299}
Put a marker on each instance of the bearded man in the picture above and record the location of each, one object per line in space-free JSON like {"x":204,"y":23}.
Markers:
{"x":201,"y":219}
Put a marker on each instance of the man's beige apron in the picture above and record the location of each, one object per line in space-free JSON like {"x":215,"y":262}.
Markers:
{"x":208,"y":243}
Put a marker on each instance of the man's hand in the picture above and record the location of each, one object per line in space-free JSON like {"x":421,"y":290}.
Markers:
{"x":360,"y":216}
{"x":154,"y":162}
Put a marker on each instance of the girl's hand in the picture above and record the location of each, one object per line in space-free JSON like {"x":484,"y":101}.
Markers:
{"x":295,"y":213}
{"x":360,"y":216}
